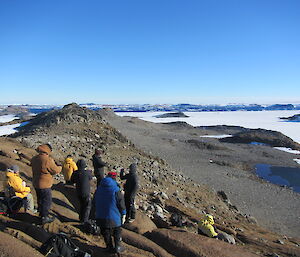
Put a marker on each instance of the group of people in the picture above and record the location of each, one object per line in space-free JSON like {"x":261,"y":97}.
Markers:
{"x":112,"y":207}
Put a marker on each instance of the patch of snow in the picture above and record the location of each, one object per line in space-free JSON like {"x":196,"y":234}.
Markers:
{"x":297,"y":160}
{"x":7,"y":118}
{"x":8,"y":129}
{"x":217,"y":136}
{"x":288,"y":150}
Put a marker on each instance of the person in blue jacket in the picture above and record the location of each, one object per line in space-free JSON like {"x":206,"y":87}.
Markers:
{"x":110,"y":213}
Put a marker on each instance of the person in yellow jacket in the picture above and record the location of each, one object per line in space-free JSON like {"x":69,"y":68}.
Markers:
{"x":15,"y":186}
{"x":69,"y":167}
{"x":205,"y":226}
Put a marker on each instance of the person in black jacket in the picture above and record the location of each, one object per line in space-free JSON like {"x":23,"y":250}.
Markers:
{"x":81,"y":178}
{"x":98,"y":166}
{"x":130,"y":188}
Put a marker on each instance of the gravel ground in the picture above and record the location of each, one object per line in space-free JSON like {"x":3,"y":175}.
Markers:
{"x":222,"y":166}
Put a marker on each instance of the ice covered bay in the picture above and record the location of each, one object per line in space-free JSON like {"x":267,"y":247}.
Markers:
{"x":255,"y":119}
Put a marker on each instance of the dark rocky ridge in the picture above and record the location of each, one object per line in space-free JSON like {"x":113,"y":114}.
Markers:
{"x":292,"y":118}
{"x":172,"y":115}
{"x":269,"y":137}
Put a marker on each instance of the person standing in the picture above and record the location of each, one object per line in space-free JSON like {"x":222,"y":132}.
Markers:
{"x":98,"y":166}
{"x":15,"y":186}
{"x":82,"y":178}
{"x":130,"y":188}
{"x":110,"y":213}
{"x":68,"y":168}
{"x":43,"y":170}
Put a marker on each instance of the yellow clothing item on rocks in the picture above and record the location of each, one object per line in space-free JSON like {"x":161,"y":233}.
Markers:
{"x":69,"y":167}
{"x":14,"y":181}
{"x":206,"y":226}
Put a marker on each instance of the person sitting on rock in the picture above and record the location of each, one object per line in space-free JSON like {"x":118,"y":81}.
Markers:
{"x":110,"y":213}
{"x":43,"y":170}
{"x":98,"y":166}
{"x":82,"y":178}
{"x":15,"y":186}
{"x":205,"y":226}
{"x":130,"y":188}
{"x":68,"y":168}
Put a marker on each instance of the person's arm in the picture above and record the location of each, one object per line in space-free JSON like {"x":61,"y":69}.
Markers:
{"x":122,"y":175}
{"x":100,"y":163}
{"x":120,"y":203}
{"x":74,"y":166}
{"x":53,"y":168}
{"x":74,"y":177}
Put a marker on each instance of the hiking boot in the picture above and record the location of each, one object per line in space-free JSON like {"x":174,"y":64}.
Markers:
{"x":131,"y":220}
{"x":47,"y":219}
{"x":119,"y":249}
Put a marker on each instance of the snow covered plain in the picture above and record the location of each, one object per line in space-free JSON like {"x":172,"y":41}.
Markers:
{"x":255,"y":119}
{"x":8,"y":129}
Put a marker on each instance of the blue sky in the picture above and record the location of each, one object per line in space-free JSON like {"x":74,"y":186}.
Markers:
{"x":149,"y":51}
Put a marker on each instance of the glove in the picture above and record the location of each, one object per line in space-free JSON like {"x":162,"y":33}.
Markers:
{"x":123,"y":219}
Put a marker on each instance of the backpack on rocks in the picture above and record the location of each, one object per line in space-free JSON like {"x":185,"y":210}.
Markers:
{"x":60,"y":245}
{"x":91,"y":227}
{"x":176,"y":220}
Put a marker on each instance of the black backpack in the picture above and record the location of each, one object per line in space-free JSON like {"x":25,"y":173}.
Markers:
{"x":91,"y":227}
{"x":60,"y":245}
{"x":176,"y":220}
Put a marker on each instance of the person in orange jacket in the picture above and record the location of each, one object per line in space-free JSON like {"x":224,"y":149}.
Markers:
{"x":15,"y":186}
{"x":68,"y":168}
{"x":43,"y":170}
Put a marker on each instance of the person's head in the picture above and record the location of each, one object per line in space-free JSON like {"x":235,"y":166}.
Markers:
{"x":81,"y":164}
{"x":69,"y":156}
{"x":112,"y":174}
{"x":13,"y":169}
{"x":98,"y":152}
{"x":210,"y":219}
{"x":46,"y":148}
{"x":132,"y":168}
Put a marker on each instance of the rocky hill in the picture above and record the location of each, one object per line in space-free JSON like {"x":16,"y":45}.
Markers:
{"x":79,"y":131}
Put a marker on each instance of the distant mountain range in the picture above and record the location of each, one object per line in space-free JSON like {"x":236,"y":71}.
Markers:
{"x":161,"y":107}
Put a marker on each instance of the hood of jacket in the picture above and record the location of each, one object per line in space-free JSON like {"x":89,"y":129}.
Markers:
{"x":81,"y":164}
{"x":132,"y":168}
{"x":208,"y":219}
{"x":43,"y":149}
{"x":11,"y":174}
{"x":110,"y":183}
{"x":69,"y":160}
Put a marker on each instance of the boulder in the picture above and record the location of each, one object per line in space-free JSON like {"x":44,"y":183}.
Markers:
{"x":141,"y":224}
{"x":183,"y":243}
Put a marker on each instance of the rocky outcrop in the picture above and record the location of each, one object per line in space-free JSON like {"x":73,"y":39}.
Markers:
{"x":172,"y":115}
{"x":295,"y":118}
{"x":269,"y":137}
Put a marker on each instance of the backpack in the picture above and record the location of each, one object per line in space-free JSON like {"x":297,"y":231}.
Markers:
{"x":14,"y":204}
{"x":176,"y":220}
{"x":60,"y":245}
{"x":91,"y":227}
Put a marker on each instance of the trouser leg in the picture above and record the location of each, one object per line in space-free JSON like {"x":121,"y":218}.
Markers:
{"x":85,"y":208}
{"x":106,"y":233}
{"x":118,"y":239}
{"x":130,"y":208}
{"x":29,"y":203}
{"x":45,"y":201}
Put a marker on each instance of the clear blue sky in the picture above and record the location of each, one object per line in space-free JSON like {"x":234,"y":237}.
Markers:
{"x":149,"y":51}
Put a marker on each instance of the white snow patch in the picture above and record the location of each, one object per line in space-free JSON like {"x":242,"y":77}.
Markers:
{"x":297,"y":160}
{"x":8,"y":129}
{"x":288,"y":150}
{"x":7,"y":118}
{"x":217,"y":136}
